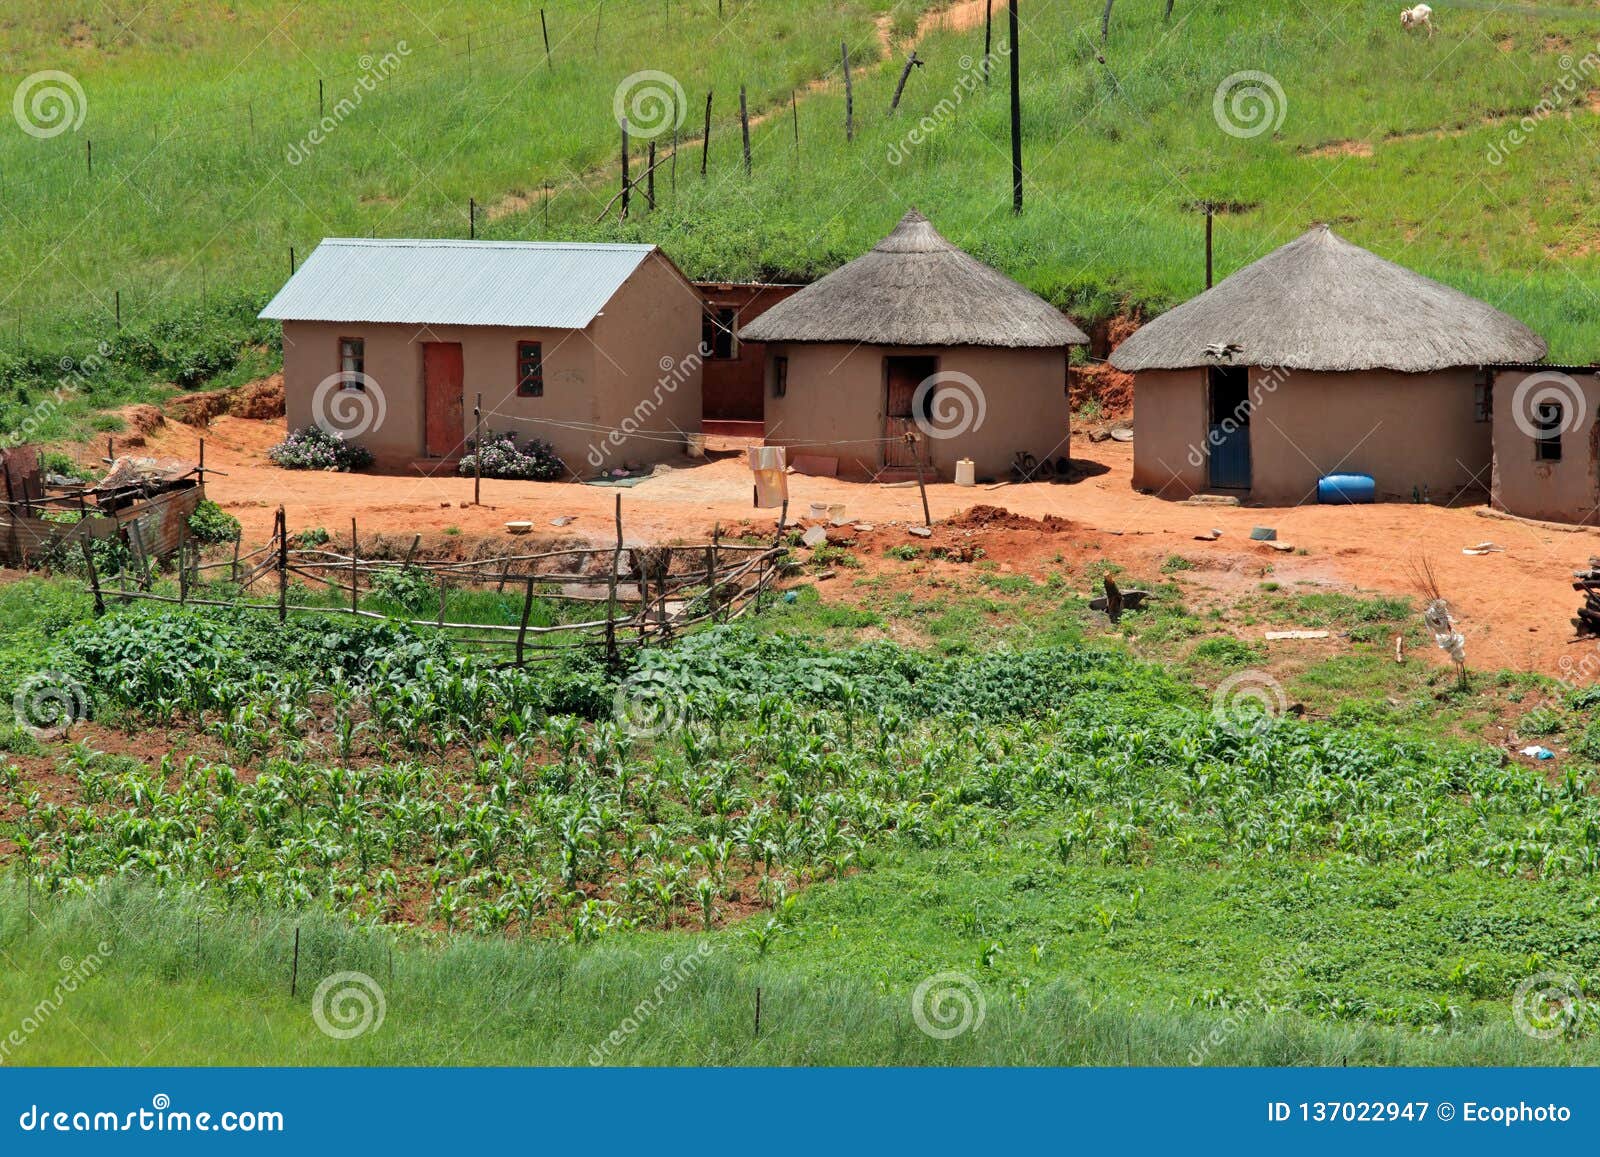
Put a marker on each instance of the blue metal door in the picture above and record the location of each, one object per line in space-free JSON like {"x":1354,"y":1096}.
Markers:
{"x":1230,"y":456}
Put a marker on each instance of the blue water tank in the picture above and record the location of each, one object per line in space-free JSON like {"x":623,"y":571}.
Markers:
{"x":1346,"y":489}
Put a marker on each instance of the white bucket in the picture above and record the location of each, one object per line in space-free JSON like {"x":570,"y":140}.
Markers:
{"x":695,"y":445}
{"x":966,"y":472}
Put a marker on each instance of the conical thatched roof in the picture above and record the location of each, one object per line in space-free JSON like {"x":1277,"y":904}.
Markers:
{"x":916,"y":289}
{"x":1321,"y":303}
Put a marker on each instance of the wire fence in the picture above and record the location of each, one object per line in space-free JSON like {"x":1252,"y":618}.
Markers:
{"x":613,"y":596}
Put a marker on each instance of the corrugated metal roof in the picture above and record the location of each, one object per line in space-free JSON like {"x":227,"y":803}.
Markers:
{"x":554,"y":285}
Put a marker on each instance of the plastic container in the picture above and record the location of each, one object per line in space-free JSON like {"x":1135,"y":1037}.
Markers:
{"x":1346,"y":489}
{"x":966,"y":473}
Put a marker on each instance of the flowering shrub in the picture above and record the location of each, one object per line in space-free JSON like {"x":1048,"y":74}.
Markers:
{"x":535,"y":460}
{"x":313,"y":448}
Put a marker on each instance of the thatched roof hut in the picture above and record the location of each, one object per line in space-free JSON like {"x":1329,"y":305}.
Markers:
{"x":918,"y":357}
{"x":914,"y":288}
{"x":1321,"y":303}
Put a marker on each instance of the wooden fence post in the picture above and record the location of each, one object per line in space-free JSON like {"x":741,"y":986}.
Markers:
{"x":545,"y":28}
{"x":234,"y":573}
{"x":355,"y":569}
{"x":94,"y":576}
{"x":283,"y":573}
{"x":905,"y":75}
{"x":611,"y":592}
{"x":744,"y":125}
{"x":477,"y":452}
{"x":711,"y":568}
{"x":527,"y":609}
{"x":627,"y":182}
{"x":183,"y":573}
{"x":1016,"y":115}
{"x":849,"y":95}
{"x":705,"y":141}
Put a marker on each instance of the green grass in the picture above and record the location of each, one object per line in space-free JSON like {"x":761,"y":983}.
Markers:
{"x":1121,"y":877}
{"x":191,"y":217}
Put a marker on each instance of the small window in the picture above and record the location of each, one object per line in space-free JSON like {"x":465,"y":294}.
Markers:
{"x":1547,"y":446}
{"x":780,"y":377}
{"x":530,"y":370}
{"x":353,"y":363}
{"x":718,"y":333}
{"x":1483,"y":398}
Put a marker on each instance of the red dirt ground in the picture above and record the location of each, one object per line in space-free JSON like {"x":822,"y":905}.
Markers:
{"x":1514,"y":606}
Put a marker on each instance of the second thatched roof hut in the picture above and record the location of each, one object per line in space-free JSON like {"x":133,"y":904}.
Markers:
{"x":917,"y":337}
{"x":1321,"y":358}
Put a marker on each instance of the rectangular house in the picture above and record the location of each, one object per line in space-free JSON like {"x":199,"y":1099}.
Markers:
{"x":594,"y":348}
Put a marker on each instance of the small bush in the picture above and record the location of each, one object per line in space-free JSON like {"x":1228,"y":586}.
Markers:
{"x":313,"y":448}
{"x":534,"y":461}
{"x":211,"y":524}
{"x":312,"y":538}
{"x":409,"y":586}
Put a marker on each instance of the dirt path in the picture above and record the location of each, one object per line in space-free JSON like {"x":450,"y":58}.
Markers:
{"x":958,"y":17}
{"x":1514,"y":605}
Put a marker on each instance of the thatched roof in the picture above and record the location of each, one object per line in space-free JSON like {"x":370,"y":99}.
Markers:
{"x":916,"y":289}
{"x":1321,"y":303}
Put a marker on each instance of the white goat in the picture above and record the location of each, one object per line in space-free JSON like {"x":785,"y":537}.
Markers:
{"x":1421,"y":15}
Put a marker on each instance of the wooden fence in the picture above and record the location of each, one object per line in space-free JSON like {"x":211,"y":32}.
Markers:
{"x":636,"y":595}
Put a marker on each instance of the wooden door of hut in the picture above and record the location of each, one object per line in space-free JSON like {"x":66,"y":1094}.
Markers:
{"x":902,"y":377}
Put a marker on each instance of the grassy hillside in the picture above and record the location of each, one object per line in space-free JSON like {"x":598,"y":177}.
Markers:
{"x":1412,"y":146}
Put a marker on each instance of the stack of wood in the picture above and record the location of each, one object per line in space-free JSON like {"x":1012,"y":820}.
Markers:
{"x":1588,"y":581}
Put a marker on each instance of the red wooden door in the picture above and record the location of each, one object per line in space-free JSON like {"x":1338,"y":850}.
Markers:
{"x":443,"y":398}
{"x":902,"y":376}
